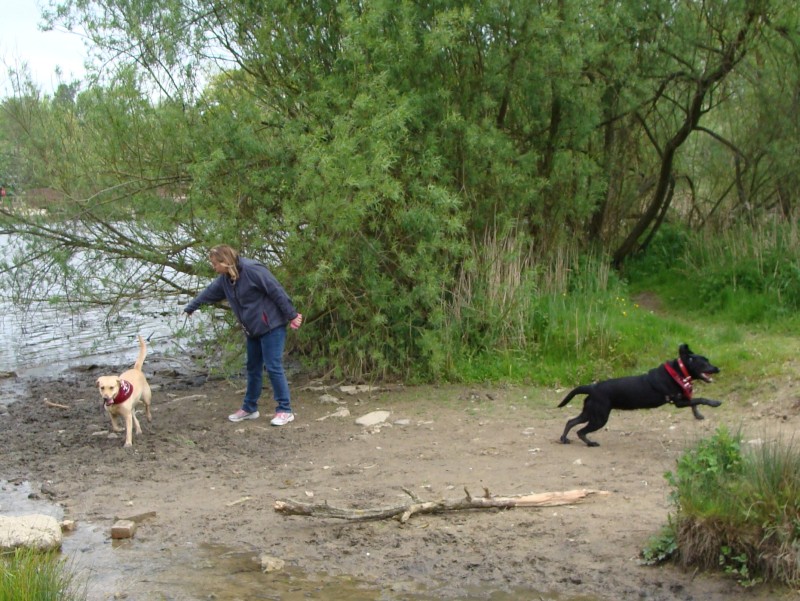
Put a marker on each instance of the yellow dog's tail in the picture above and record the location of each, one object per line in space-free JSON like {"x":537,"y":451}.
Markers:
{"x":142,"y":354}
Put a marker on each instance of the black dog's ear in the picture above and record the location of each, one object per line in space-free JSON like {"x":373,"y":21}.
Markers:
{"x":683,"y":350}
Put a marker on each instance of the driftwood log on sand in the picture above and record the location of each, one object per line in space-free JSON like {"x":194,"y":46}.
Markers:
{"x":417,"y":505}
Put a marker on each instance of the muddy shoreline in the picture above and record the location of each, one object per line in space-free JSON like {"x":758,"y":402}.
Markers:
{"x":210,"y":482}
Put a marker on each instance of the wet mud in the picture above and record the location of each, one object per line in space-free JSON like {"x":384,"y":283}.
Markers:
{"x":211,"y":484}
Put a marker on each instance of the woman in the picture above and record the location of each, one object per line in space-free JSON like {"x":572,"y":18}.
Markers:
{"x":263,"y":309}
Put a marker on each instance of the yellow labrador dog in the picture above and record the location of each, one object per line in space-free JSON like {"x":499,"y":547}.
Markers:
{"x":122,"y":393}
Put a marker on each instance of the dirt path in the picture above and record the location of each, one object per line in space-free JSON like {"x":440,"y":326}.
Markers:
{"x":211,"y":481}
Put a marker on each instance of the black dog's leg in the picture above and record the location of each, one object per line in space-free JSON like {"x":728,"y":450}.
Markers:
{"x":592,"y":426}
{"x":581,"y":419}
{"x":582,"y":435}
{"x":709,"y":402}
{"x":598,"y":413}
{"x":682,"y":402}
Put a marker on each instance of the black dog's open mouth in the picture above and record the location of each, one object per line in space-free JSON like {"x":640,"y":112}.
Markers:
{"x":706,"y":377}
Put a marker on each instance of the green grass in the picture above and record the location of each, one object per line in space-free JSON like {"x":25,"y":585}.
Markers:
{"x":582,"y":338}
{"x":569,"y":319}
{"x":595,"y":338}
{"x":744,"y":277}
{"x":27,"y":575}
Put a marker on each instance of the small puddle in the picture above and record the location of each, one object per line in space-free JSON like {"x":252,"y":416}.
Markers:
{"x":139,"y":571}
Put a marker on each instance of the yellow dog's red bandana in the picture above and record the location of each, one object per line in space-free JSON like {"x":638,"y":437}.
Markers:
{"x":123,"y":394}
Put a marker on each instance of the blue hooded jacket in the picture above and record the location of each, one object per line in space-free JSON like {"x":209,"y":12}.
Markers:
{"x":257,"y":299}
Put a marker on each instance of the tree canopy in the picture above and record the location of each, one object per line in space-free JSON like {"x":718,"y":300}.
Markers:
{"x":379,"y":152}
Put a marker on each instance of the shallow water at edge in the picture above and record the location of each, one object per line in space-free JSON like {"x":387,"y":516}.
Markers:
{"x":137,"y":570}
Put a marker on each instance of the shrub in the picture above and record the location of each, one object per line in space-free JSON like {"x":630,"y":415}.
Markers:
{"x":734,"y":510}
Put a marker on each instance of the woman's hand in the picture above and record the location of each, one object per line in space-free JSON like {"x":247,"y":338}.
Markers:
{"x":296,"y":322}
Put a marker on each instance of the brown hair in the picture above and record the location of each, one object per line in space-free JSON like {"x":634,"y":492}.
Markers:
{"x":227,"y":257}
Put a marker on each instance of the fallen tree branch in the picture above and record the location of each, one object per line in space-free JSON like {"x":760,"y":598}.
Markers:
{"x":404,"y":512}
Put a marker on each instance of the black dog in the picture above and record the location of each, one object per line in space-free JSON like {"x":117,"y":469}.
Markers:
{"x":668,"y":383}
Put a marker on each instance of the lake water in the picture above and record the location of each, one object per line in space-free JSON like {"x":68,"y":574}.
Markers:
{"x":43,"y":336}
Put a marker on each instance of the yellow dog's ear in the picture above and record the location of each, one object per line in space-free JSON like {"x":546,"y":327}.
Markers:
{"x":97,"y":383}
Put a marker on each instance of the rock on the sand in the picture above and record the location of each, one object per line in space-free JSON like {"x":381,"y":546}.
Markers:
{"x":35,"y":531}
{"x":373,"y":418}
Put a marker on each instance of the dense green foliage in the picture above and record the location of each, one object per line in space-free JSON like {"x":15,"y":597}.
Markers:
{"x":735,"y":509}
{"x":26,"y":575}
{"x":442,"y":186}
{"x":746,"y":275}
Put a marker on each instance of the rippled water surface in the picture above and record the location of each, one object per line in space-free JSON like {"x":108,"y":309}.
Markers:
{"x":43,"y":336}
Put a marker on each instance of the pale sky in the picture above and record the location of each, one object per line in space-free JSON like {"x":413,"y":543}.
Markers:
{"x":21,"y":41}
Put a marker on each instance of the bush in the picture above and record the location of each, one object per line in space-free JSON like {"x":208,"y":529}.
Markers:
{"x":734,"y":510}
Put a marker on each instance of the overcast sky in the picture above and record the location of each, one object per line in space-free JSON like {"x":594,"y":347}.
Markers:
{"x":21,"y":41}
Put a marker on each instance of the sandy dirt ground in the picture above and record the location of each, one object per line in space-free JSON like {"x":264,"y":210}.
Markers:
{"x":208,"y":480}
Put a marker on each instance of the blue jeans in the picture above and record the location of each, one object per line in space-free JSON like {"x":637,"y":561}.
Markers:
{"x":267,"y":352}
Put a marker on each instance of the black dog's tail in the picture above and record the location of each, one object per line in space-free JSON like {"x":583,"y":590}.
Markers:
{"x":585,"y":389}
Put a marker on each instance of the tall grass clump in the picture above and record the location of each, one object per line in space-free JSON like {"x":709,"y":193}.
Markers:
{"x":521,"y":315}
{"x":736,"y":509}
{"x":27,"y":575}
{"x":748,"y":275}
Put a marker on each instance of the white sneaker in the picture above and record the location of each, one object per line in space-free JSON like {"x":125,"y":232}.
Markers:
{"x":241,"y":414}
{"x":281,"y":419}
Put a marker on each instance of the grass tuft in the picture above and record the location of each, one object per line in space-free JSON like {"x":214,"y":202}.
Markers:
{"x":27,"y":575}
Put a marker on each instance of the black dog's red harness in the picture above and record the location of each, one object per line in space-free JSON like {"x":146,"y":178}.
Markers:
{"x":684,"y":382}
{"x":123,"y":394}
